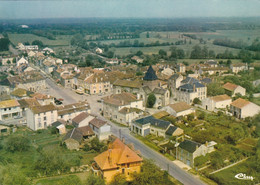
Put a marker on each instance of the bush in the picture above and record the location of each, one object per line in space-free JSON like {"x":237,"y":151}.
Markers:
{"x":151,"y":100}
{"x":17,"y":143}
{"x":197,"y":101}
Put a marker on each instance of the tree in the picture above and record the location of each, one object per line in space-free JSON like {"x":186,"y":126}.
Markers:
{"x":139,"y":53}
{"x":14,"y":60}
{"x":110,"y":54}
{"x":38,"y":43}
{"x":118,"y":179}
{"x":214,"y":89}
{"x":150,"y":174}
{"x":4,"y":44}
{"x":94,"y":180}
{"x":147,"y":35}
{"x":11,"y":175}
{"x":96,"y":145}
{"x":196,"y":53}
{"x":151,"y":100}
{"x":197,"y":101}
{"x":17,"y":143}
{"x":162,"y":53}
{"x":50,"y":163}
{"x":201,"y":115}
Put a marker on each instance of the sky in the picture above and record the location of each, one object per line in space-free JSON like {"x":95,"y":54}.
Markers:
{"x":14,"y":9}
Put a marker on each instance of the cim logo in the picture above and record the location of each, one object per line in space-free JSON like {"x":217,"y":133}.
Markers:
{"x":243,"y":176}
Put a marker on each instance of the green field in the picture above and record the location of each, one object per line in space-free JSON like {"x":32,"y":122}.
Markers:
{"x":63,"y":40}
{"x":227,"y":176}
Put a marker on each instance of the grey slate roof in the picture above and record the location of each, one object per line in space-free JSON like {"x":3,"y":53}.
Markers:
{"x":150,"y":75}
{"x":159,"y":91}
{"x":174,"y":76}
{"x":189,"y":80}
{"x":74,"y":134}
{"x":206,"y":80}
{"x":171,"y":130}
{"x":154,"y":122}
{"x":190,"y":86}
{"x":189,"y":146}
{"x":146,"y":89}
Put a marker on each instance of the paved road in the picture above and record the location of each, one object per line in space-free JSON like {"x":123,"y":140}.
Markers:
{"x":13,"y":50}
{"x":147,"y":152}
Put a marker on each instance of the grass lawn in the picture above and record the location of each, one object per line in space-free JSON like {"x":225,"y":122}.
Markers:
{"x":61,"y":180}
{"x":25,"y":161}
{"x":63,"y":40}
{"x":256,"y":100}
{"x":227,"y":176}
{"x":248,"y":144}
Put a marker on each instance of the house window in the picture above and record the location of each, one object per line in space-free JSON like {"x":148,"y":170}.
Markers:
{"x":4,"y":109}
{"x":128,"y":165}
{"x":10,"y":108}
{"x":39,"y":124}
{"x":44,"y":118}
{"x":123,"y":171}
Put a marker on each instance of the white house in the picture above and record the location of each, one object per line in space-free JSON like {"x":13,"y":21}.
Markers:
{"x":167,"y":71}
{"x":21,"y":61}
{"x":9,"y":109}
{"x":120,"y":106}
{"x":241,"y":108}
{"x":99,"y":51}
{"x":233,"y":89}
{"x":40,"y":117}
{"x":216,"y":102}
{"x":82,"y":119}
{"x":181,"y":68}
{"x":100,"y":128}
{"x":238,"y":67}
{"x":179,"y":109}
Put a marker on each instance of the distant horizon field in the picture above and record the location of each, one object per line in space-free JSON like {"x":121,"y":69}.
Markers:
{"x":61,"y":40}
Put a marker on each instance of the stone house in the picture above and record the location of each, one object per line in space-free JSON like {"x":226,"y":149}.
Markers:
{"x":235,"y":68}
{"x":241,"y":108}
{"x":73,"y":139}
{"x":181,"y":68}
{"x":9,"y":109}
{"x":233,"y":89}
{"x":190,"y":89}
{"x":70,"y":111}
{"x":120,"y":86}
{"x":97,"y":83}
{"x":188,"y":150}
{"x":179,"y":109}
{"x":122,"y":107}
{"x":101,"y":129}
{"x":162,"y":97}
{"x":174,"y":131}
{"x":82,"y":119}
{"x":150,"y":125}
{"x":216,"y":102}
{"x":40,"y":117}
{"x":175,"y":82}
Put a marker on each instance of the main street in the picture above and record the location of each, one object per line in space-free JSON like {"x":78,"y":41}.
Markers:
{"x":164,"y":163}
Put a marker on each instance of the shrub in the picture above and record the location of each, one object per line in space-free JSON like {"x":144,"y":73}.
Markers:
{"x":151,"y":100}
{"x":16,"y":143}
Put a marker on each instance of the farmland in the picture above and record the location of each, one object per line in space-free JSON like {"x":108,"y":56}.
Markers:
{"x":62,"y":40}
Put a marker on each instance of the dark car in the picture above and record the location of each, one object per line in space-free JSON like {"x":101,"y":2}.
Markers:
{"x":58,"y":102}
{"x":159,"y":107}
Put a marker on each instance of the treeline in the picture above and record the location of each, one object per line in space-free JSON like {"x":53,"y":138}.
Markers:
{"x":4,"y":44}
{"x":199,"y":53}
{"x":229,"y":43}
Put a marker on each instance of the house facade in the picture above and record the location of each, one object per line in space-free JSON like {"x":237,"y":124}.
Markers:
{"x":119,"y":158}
{"x":233,"y":89}
{"x":217,"y":102}
{"x":122,"y":107}
{"x":101,"y":128}
{"x":241,"y":108}
{"x":179,"y":109}
{"x":40,"y":117}
{"x":9,"y":109}
{"x":150,"y":125}
{"x":188,"y":150}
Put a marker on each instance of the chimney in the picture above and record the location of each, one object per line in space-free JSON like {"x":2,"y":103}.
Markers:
{"x":96,"y":80}
{"x":110,"y":156}
{"x":123,"y":139}
{"x":194,"y":87}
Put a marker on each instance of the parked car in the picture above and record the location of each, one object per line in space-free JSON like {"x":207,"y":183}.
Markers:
{"x":159,"y":107}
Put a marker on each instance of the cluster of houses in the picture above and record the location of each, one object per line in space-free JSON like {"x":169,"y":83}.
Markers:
{"x":125,"y":100}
